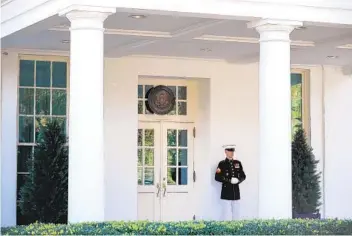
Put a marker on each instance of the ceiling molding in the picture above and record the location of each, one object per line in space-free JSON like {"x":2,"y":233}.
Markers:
{"x":37,"y":52}
{"x":207,"y":37}
{"x":148,"y":56}
{"x":141,"y":33}
{"x":346,"y":46}
{"x":187,"y":32}
{"x":195,"y":28}
{"x":156,"y":34}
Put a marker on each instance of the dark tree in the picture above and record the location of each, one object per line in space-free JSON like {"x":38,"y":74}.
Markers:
{"x":306,"y":192}
{"x":44,"y":195}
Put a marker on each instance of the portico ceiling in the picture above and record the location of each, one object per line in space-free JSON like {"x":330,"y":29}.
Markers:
{"x":175,"y":36}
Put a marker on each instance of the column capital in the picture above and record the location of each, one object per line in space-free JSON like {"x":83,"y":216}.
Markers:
{"x":87,"y":13}
{"x":273,"y":29}
{"x":274,"y":25}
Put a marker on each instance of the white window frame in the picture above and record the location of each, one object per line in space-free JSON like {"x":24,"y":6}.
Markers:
{"x":40,"y":58}
{"x":191,"y":101}
{"x":305,"y":99}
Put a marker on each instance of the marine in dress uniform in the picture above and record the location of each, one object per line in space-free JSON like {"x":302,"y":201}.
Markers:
{"x":230,"y":173}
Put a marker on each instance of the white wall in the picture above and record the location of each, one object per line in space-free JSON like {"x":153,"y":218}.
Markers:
{"x":231,"y":116}
{"x":234,"y":119}
{"x":227,"y":113}
{"x":338,"y":143}
{"x":121,"y":122}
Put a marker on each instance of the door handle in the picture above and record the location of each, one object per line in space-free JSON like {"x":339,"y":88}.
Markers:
{"x":164,"y":187}
{"x":158,"y":187}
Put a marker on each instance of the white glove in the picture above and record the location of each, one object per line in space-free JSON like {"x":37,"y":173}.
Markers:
{"x":234,"y":180}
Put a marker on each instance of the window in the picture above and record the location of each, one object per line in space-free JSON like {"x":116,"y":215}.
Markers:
{"x":299,"y":105}
{"x":146,"y":156}
{"x":42,"y":96}
{"x":177,"y":155}
{"x":180,"y":95}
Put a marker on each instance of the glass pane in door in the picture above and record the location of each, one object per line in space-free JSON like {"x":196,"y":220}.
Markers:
{"x":146,"y":163}
{"x":177,"y":154}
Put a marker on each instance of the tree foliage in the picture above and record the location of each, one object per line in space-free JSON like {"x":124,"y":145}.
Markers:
{"x":306,"y":192}
{"x":44,"y":195}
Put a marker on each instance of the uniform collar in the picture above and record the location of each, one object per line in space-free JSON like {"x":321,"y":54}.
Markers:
{"x":228,"y":160}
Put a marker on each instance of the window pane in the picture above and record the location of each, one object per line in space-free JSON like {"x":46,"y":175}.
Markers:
{"x":26,"y":101}
{"x":59,"y":102}
{"x":149,"y":157}
{"x":182,"y":178}
{"x":26,"y":73}
{"x":59,"y":74}
{"x":39,"y":122}
{"x":146,"y":111}
{"x":182,"y":138}
{"x":140,"y":107}
{"x":140,"y":173}
{"x":171,"y":137}
{"x":296,"y":79}
{"x":148,"y":176}
{"x":42,"y":101}
{"x":182,"y":108}
{"x":171,"y":176}
{"x":25,"y":130}
{"x":173,"y":89}
{"x":171,"y":157}
{"x":149,"y":137}
{"x":182,"y":157}
{"x":147,"y":88}
{"x":43,"y":73}
{"x":62,"y":123}
{"x":182,"y":92}
{"x":296,"y":102}
{"x":23,"y":154}
{"x":173,"y":111}
{"x":21,"y":178}
{"x":140,"y":137}
{"x":140,"y":91}
{"x":140,"y":157}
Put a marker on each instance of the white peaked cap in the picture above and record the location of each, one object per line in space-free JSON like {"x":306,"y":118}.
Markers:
{"x":228,"y":146}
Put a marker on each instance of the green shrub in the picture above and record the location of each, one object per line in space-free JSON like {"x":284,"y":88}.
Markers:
{"x":306,"y":192}
{"x":43,"y":197}
{"x":245,"y":227}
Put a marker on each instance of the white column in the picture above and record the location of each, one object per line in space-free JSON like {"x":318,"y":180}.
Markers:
{"x":86,"y":121}
{"x":8,"y":127}
{"x":275,"y":188}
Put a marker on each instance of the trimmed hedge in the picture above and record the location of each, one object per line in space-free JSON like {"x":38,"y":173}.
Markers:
{"x":243,"y":227}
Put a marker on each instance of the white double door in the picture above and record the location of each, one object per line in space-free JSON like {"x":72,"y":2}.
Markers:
{"x":165,"y":171}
